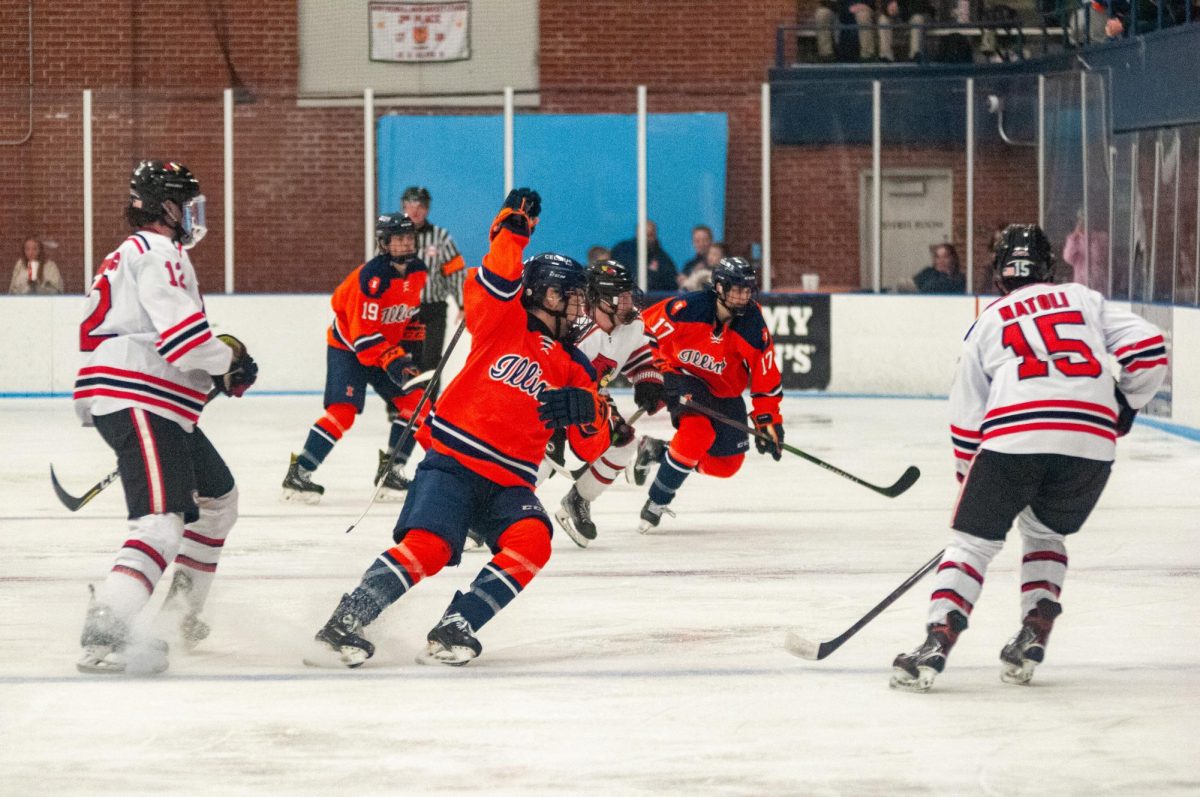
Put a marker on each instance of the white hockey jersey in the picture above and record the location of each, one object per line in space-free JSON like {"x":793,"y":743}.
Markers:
{"x":145,"y":339}
{"x":1035,"y":378}
{"x":628,"y":350}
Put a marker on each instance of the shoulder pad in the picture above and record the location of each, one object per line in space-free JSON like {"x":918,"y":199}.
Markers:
{"x":696,"y":306}
{"x":581,"y":358}
{"x":376,"y":276}
{"x":752,"y":327}
{"x":415,"y":266}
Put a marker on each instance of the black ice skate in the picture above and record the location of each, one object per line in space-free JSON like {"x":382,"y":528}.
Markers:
{"x":340,"y":637}
{"x":192,"y":630}
{"x":297,"y":486}
{"x":915,"y":671}
{"x":651,"y":514}
{"x":395,"y":486}
{"x":1027,"y":649}
{"x":108,"y":649}
{"x":451,"y":642}
{"x":575,"y":516}
{"x":649,"y":452}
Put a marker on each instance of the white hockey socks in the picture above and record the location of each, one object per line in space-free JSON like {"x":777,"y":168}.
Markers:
{"x":1043,"y":562}
{"x":604,"y":470}
{"x":152,"y":544}
{"x":959,"y":579}
{"x":203,"y":542}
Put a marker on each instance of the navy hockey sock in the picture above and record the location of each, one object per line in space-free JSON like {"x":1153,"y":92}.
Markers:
{"x":671,"y":474}
{"x":316,"y":448}
{"x":524,"y":551}
{"x":406,"y":450}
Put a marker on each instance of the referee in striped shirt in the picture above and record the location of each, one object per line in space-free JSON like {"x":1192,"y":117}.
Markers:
{"x":446,"y":273}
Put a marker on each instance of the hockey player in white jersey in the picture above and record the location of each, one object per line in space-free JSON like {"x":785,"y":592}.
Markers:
{"x":150,"y":363}
{"x":615,"y":341}
{"x":1035,"y":415}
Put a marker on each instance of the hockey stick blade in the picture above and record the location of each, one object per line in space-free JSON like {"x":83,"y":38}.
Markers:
{"x":419,"y":379}
{"x":906,"y":480}
{"x":71,"y":502}
{"x":804,"y":648}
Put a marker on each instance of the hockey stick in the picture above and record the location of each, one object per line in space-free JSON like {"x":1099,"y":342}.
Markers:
{"x":411,"y":426}
{"x":71,"y":502}
{"x":562,"y":469}
{"x":906,"y":480}
{"x":807,"y":649}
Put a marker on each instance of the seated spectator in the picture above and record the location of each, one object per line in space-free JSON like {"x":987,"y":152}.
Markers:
{"x":716,"y":252}
{"x":849,"y":13}
{"x":701,"y":240}
{"x":33,"y":273}
{"x":945,"y":275}
{"x":660,"y":268}
{"x":597,"y":253}
{"x":700,"y":276}
{"x":914,"y":13}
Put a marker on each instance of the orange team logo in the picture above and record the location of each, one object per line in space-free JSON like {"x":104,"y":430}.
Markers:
{"x":349,"y":391}
{"x":679,"y":305}
{"x":373,"y":286}
{"x":421,"y":34}
{"x":766,"y":336}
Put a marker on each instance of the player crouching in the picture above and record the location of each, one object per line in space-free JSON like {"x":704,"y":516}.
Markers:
{"x":1034,"y":425}
{"x":484,"y":443}
{"x":712,"y":345}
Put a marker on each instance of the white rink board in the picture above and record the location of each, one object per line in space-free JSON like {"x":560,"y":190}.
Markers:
{"x":645,"y":665}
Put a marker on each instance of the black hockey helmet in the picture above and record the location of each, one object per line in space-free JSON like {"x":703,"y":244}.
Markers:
{"x":153,"y":185}
{"x":390,"y":224}
{"x":1023,"y":256}
{"x":549,"y":270}
{"x":606,"y":281}
{"x":734,"y":272}
{"x":416,"y":193}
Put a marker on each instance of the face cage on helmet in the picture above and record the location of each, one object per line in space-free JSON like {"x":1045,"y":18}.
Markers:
{"x":384,"y":240}
{"x":607,"y":304}
{"x":192,"y":227}
{"x":728,"y":284}
{"x":573,"y":329}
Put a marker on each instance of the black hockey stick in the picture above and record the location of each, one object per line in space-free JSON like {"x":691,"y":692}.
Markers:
{"x":807,"y":649}
{"x":71,"y":502}
{"x":411,"y":426}
{"x":906,"y":480}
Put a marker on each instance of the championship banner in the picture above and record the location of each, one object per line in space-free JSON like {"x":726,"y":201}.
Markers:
{"x":800,"y":326}
{"x":418,"y":32}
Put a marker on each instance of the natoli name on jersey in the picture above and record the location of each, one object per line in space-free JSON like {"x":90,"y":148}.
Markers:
{"x":1042,"y":301}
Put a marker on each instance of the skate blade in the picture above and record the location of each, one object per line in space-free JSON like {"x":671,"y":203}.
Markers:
{"x":903,"y":680}
{"x":1019,"y":674}
{"x":297,"y":497}
{"x":144,"y":659}
{"x":454,"y":657}
{"x":392,"y":496}
{"x":564,"y":519}
{"x":645,"y":527}
{"x":470,"y":546}
{"x":324,"y":657}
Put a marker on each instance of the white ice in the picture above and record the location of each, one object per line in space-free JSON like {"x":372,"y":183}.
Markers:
{"x":642,"y":665}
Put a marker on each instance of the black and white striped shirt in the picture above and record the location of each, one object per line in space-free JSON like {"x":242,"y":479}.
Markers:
{"x":437,"y":249}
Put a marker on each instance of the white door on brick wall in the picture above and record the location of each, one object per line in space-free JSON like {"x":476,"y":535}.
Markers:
{"x":917,"y":214}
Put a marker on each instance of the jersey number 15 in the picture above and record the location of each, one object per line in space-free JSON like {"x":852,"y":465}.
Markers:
{"x":1059,"y":349}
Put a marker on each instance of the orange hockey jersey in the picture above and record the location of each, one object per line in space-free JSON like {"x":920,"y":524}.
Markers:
{"x":487,"y":418}
{"x":727,"y":358}
{"x":374,"y":308}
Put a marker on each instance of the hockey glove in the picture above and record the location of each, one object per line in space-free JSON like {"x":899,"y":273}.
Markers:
{"x":399,"y":366}
{"x":566,"y":406}
{"x":650,"y":395}
{"x":1125,"y":414}
{"x":766,"y":424}
{"x":519,"y":214}
{"x":619,"y":431}
{"x":242,"y":373}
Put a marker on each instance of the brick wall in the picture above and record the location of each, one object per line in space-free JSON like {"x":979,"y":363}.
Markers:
{"x":157,"y":70}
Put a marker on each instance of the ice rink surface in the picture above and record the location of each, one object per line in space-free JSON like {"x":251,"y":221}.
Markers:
{"x":644,"y":665}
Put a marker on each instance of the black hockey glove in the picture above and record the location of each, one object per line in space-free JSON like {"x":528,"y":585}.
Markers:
{"x":619,"y":430}
{"x":242,"y":373}
{"x":1125,"y":414}
{"x":520,"y":212}
{"x":399,"y":366}
{"x":650,"y":395}
{"x":566,"y":406}
{"x":765,"y":424}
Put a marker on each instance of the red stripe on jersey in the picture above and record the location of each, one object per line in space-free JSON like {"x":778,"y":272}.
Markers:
{"x":1049,"y":586}
{"x":191,"y":344}
{"x":154,"y":380}
{"x":154,"y":479}
{"x":107,"y":392}
{"x":1044,"y":426}
{"x":136,"y":243}
{"x":958,"y":431}
{"x":211,"y":542}
{"x":1141,"y":344}
{"x":1142,"y":366}
{"x":136,"y":575}
{"x":965,"y":456}
{"x":148,"y":550}
{"x":188,"y":561}
{"x":1075,"y":405}
{"x":193,"y":318}
{"x":1045,"y":556}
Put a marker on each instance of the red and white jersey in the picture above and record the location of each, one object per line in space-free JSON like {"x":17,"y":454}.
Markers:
{"x":1034,"y":377}
{"x":145,"y":339}
{"x":627,"y":350}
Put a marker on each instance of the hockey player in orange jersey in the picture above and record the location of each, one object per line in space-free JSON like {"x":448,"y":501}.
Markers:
{"x":712,"y":345}
{"x":373,"y":340}
{"x":522,"y":379}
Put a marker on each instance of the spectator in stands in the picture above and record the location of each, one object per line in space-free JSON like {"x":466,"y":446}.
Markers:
{"x":660,"y":268}
{"x":33,"y":273}
{"x":849,"y":13}
{"x":945,"y":275}
{"x":701,"y":240}
{"x":1087,"y":254}
{"x":914,"y":13}
{"x":597,"y":253}
{"x":700,"y":276}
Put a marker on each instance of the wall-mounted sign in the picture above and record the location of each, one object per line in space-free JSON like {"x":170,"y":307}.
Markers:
{"x":800,"y":326}
{"x":420,"y":32}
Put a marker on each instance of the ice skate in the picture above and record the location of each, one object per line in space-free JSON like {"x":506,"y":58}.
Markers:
{"x":192,"y":630}
{"x":395,"y":485}
{"x":298,"y":486}
{"x":474,"y":543}
{"x":450,"y":642}
{"x":649,"y":451}
{"x":339,"y":641}
{"x":575,"y":516}
{"x":915,"y":671}
{"x":109,"y":650}
{"x":1027,"y":649}
{"x":651,"y":514}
